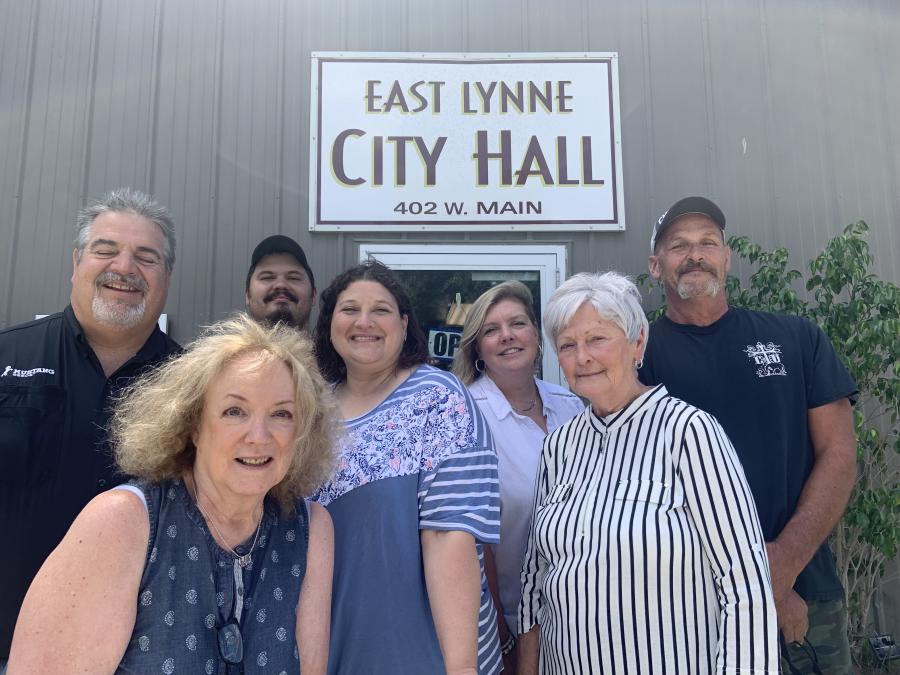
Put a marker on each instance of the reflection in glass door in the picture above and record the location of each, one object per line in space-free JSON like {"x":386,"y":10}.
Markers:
{"x":443,"y":280}
{"x":441,"y":299}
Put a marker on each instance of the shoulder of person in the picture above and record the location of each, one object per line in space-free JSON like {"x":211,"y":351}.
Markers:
{"x":578,"y":422}
{"x":775,"y":319}
{"x":557,"y":390}
{"x":425,"y":375}
{"x":113,"y":522}
{"x":28,"y":331}
{"x":164,"y":346}
{"x":116,"y":506}
{"x":680,"y":412}
{"x":784,"y":325}
{"x":320,"y":522}
{"x":172,"y":347}
{"x":479,"y":388}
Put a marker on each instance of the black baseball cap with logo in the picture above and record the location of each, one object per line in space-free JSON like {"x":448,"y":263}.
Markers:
{"x":278,"y":243}
{"x":683,"y":207}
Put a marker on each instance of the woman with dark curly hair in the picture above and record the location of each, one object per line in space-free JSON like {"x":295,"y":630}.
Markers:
{"x":224,"y":441}
{"x":415,"y":496}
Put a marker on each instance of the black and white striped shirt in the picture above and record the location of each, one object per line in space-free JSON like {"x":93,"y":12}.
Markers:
{"x":645,"y":554}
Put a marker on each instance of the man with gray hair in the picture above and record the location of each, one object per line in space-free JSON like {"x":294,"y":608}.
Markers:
{"x":58,"y":375}
{"x":776,"y":385}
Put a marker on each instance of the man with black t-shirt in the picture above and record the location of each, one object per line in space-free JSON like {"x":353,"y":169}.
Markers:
{"x":776,"y":385}
{"x":59,"y":374}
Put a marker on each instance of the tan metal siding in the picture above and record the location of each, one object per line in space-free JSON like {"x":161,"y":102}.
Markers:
{"x":784,"y":112}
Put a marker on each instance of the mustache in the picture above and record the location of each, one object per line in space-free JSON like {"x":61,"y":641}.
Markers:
{"x":694,"y":265}
{"x":132,"y":280}
{"x":286,"y":292}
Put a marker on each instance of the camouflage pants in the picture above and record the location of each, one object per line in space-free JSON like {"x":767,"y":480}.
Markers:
{"x":826,"y":643}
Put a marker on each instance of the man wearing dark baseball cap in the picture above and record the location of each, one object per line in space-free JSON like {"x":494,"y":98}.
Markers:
{"x":280,"y":283}
{"x":784,"y":398}
{"x":688,"y":206}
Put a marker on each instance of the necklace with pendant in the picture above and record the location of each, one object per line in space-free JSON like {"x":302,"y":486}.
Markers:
{"x":242,"y":560}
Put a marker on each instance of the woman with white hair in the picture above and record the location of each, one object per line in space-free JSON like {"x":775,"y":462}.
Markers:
{"x":645,"y":553}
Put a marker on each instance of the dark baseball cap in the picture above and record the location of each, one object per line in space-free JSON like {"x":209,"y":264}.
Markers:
{"x":698,"y":205}
{"x":278,"y":243}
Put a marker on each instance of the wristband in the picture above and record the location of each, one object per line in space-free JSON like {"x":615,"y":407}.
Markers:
{"x":510,"y":644}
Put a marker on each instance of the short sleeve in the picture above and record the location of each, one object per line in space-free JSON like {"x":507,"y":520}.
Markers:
{"x":828,"y":379}
{"x":458,"y":479}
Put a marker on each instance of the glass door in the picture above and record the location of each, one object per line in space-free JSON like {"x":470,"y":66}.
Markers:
{"x":442,"y":279}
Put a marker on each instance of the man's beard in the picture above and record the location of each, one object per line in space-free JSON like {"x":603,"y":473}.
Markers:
{"x":687,"y":289}
{"x":282,"y":314}
{"x":117,"y":313}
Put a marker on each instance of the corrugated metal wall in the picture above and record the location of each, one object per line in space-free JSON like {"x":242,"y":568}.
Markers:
{"x":786,"y":112}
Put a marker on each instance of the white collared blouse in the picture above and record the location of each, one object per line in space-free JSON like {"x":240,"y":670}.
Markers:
{"x":646,"y":554}
{"x":518,"y":440}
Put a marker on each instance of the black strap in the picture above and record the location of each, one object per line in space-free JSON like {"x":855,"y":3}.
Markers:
{"x":807,"y":648}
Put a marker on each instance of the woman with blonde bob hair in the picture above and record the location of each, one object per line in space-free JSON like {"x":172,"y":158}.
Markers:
{"x":224,"y":443}
{"x":645,"y":553}
{"x":496,"y":360}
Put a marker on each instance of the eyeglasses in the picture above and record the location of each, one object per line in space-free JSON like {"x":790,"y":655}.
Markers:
{"x":231,"y":643}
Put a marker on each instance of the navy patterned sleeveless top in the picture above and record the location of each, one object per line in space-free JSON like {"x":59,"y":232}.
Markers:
{"x":188,"y":587}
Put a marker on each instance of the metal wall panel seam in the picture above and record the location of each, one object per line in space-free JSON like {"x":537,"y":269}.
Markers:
{"x":771,"y":204}
{"x":89,"y":122}
{"x":155,"y":58}
{"x":892,"y":197}
{"x":280,"y":96}
{"x":215,"y":159}
{"x":12,"y":254}
{"x":830,"y":185}
{"x":710,"y":104}
{"x":650,"y":157}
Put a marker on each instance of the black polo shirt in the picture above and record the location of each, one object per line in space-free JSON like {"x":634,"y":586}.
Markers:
{"x":54,"y":456}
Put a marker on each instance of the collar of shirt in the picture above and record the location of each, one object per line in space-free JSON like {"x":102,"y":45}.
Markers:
{"x":501,"y":408}
{"x":613,"y":421}
{"x":157,"y":346}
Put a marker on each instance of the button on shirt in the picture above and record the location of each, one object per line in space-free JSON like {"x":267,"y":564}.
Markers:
{"x":54,"y":408}
{"x":518,"y":440}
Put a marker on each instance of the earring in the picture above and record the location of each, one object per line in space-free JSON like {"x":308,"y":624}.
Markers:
{"x":539,"y":359}
{"x":639,"y":364}
{"x":479,"y":368}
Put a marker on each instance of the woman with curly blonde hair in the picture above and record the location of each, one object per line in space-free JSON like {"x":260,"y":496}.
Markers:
{"x":211,"y":559}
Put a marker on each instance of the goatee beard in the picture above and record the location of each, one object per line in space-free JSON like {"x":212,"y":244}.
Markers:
{"x":686,"y":290}
{"x":282,"y":315}
{"x":118,"y":314}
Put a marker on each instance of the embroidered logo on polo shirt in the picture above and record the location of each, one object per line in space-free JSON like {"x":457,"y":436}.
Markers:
{"x":15,"y":372}
{"x":767,"y":357}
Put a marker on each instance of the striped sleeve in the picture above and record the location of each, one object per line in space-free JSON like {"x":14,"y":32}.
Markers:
{"x":719,"y":502}
{"x":459,"y":489}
